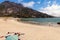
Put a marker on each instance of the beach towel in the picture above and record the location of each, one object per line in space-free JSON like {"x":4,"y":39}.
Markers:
{"x":14,"y":37}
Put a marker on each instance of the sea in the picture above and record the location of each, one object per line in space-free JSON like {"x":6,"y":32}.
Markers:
{"x":42,"y":21}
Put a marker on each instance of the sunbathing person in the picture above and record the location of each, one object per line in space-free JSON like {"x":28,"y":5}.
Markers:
{"x":8,"y":34}
{"x":1,"y":36}
{"x":15,"y":36}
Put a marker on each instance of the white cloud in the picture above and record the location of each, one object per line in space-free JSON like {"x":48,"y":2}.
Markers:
{"x":29,"y":4}
{"x":54,"y":9}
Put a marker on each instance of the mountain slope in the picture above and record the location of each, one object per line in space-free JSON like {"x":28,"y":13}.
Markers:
{"x":11,"y":9}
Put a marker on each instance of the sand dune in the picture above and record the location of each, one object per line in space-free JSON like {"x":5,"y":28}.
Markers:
{"x":31,"y":32}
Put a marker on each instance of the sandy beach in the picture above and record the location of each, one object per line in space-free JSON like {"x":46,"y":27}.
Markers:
{"x":31,"y":32}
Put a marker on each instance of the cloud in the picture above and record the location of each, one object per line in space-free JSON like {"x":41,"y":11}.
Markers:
{"x":49,"y":2}
{"x":38,"y":2}
{"x":54,"y":9}
{"x":19,"y":1}
{"x":29,"y":4}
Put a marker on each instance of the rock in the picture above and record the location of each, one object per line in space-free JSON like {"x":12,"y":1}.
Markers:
{"x":58,"y":23}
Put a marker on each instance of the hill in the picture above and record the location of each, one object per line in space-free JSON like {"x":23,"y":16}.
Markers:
{"x":11,"y":9}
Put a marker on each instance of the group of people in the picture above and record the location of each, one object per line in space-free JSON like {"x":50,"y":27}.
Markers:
{"x":12,"y":36}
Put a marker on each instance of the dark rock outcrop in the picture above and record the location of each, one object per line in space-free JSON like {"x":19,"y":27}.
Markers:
{"x":58,"y":23}
{"x":11,"y":9}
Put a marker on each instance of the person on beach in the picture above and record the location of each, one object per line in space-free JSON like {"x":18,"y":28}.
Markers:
{"x":8,"y":34}
{"x":15,"y":36}
{"x":7,"y":37}
{"x":19,"y":34}
{"x":1,"y":36}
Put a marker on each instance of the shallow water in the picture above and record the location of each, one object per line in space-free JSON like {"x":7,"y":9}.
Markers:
{"x":43,"y":21}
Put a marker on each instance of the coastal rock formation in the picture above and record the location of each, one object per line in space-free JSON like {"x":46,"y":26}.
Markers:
{"x":11,"y":9}
{"x":58,"y":23}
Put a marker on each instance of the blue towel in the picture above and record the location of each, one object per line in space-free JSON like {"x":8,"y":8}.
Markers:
{"x":13,"y":37}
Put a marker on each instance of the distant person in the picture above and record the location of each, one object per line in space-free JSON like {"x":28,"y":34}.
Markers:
{"x":49,"y":24}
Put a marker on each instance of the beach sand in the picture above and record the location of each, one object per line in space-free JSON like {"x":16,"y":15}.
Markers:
{"x":31,"y":32}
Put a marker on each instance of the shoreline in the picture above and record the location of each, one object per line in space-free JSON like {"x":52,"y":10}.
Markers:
{"x":40,"y":24}
{"x":30,"y":22}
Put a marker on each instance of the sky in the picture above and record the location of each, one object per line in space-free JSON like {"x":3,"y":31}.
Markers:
{"x":51,"y":7}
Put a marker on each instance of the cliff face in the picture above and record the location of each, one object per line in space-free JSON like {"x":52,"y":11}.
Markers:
{"x":11,"y":9}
